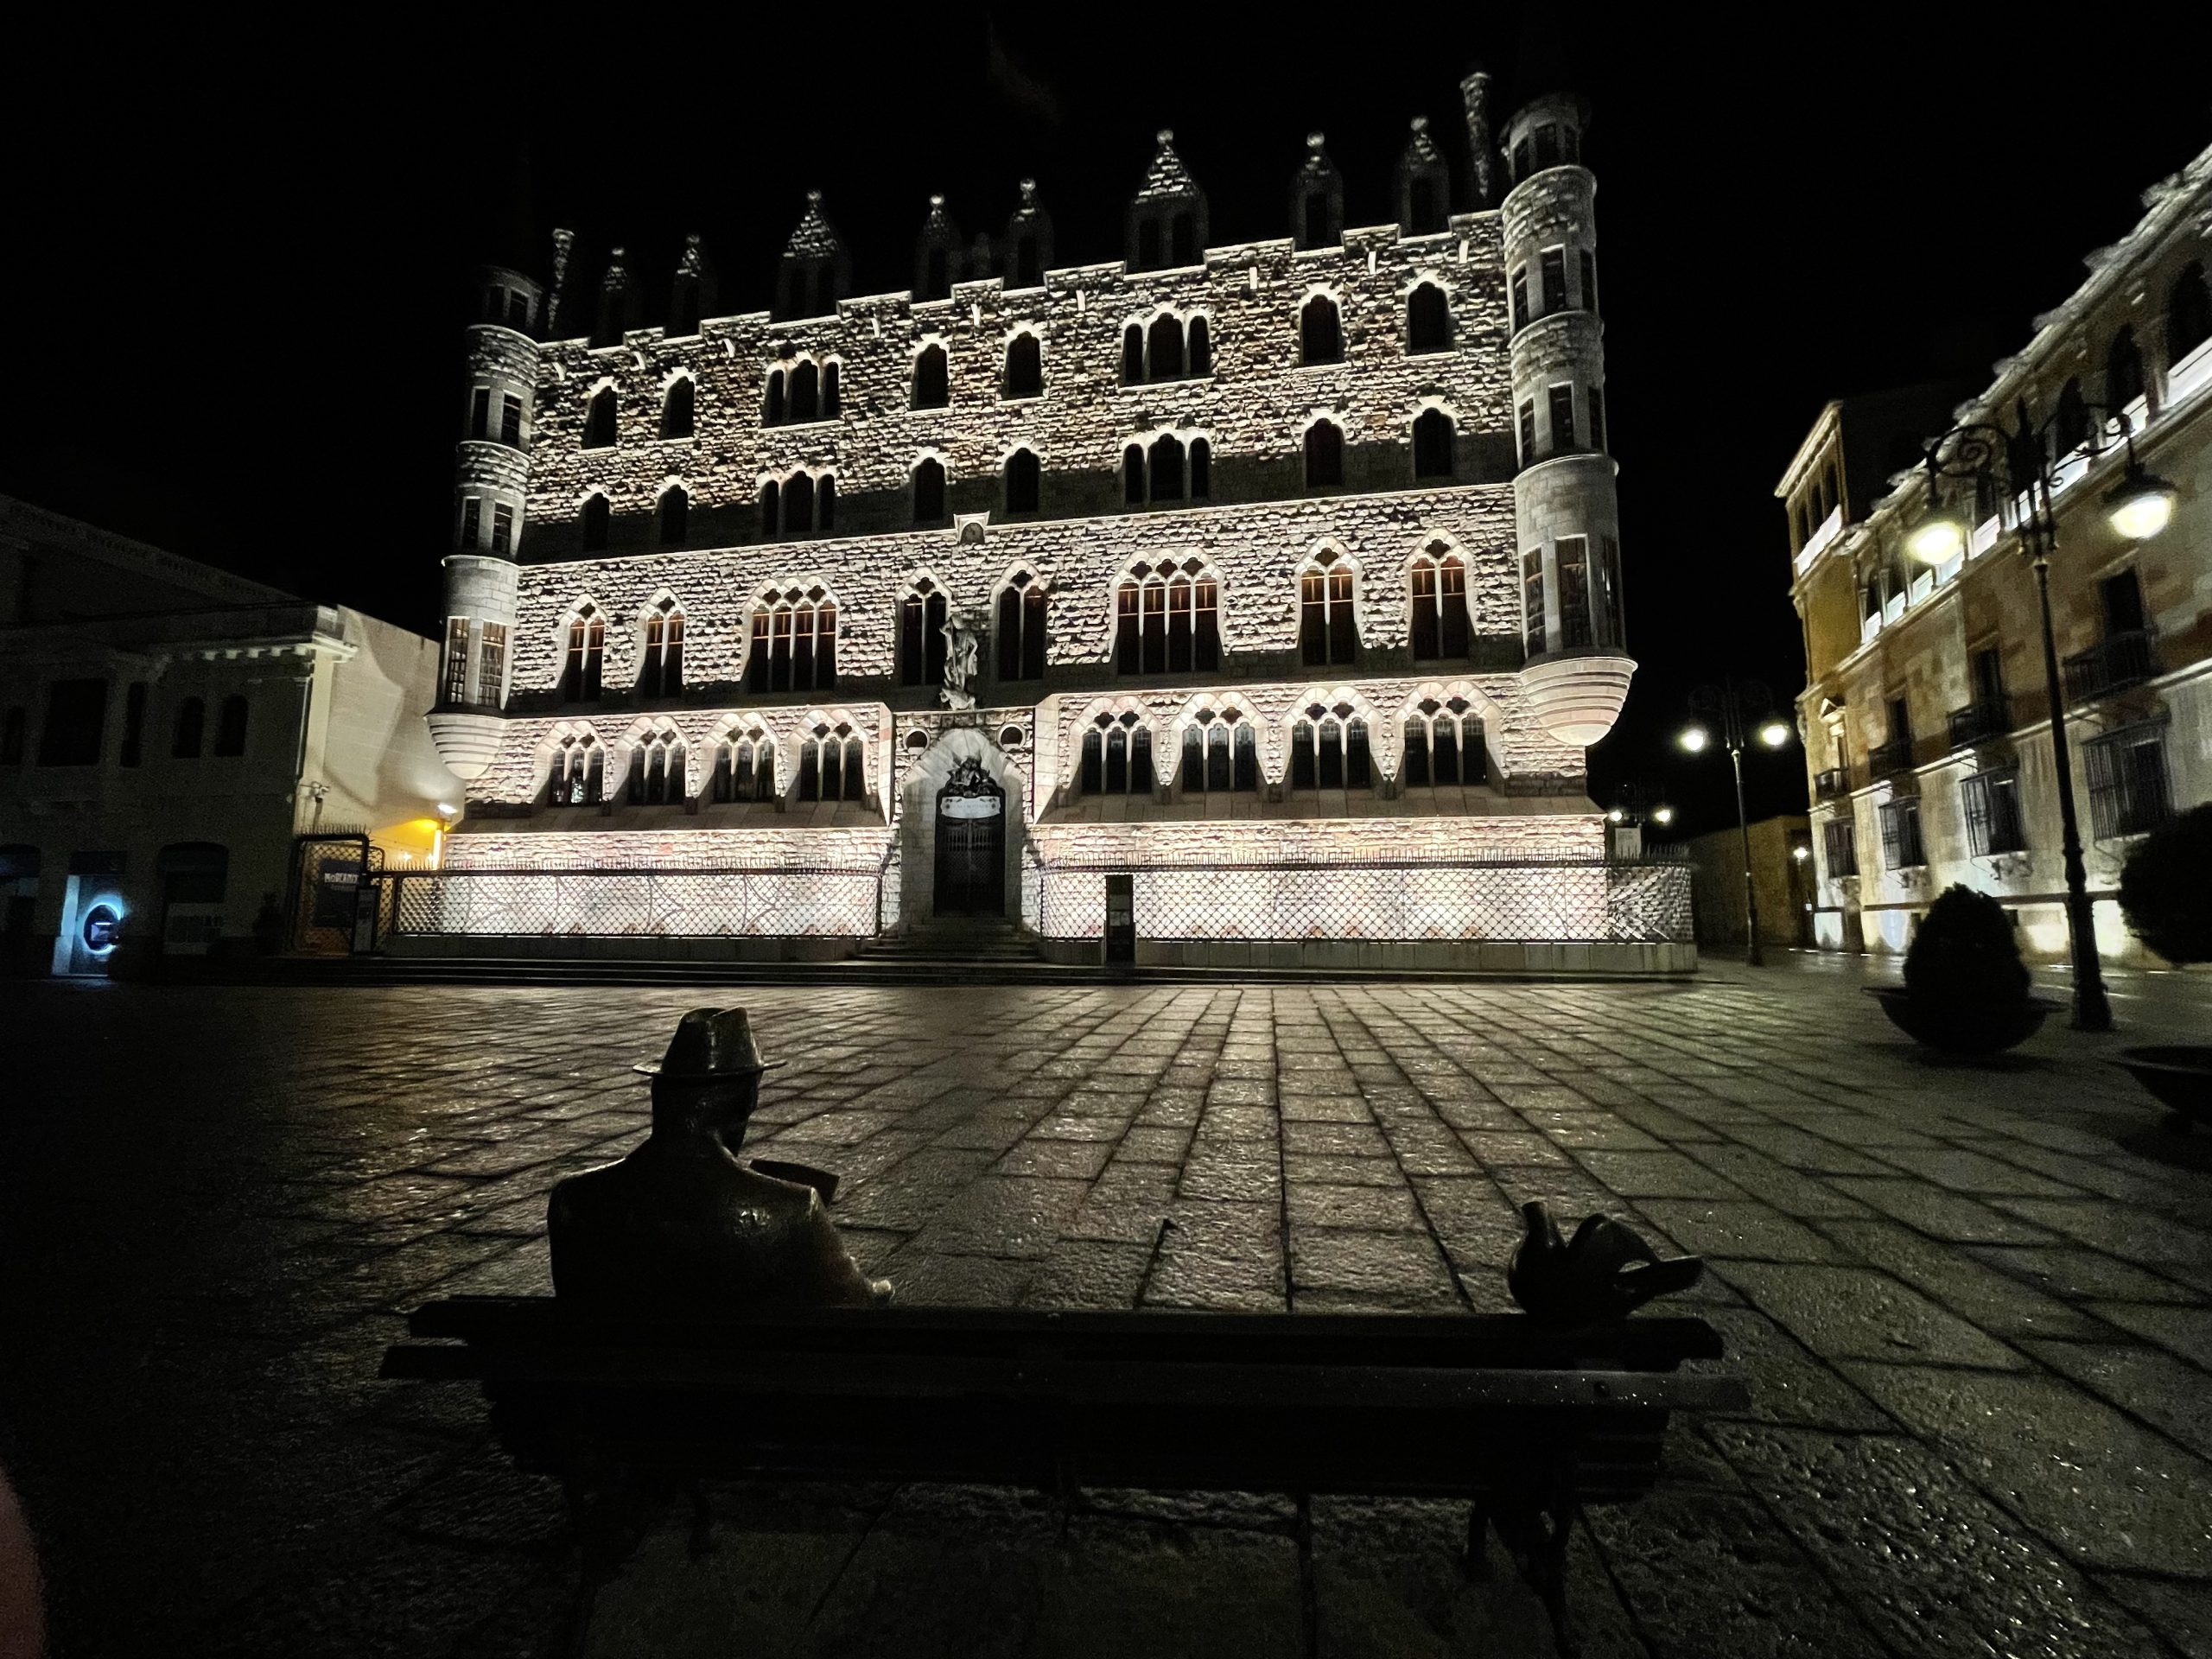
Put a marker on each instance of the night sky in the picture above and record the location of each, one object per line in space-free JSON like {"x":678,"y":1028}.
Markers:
{"x":240,"y":270}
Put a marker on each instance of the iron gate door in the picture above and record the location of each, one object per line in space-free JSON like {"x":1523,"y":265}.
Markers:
{"x":970,"y":844}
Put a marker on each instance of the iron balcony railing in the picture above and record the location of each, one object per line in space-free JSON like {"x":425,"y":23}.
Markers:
{"x":1832,"y":785}
{"x":1890,"y":758}
{"x":2114,"y":664}
{"x":1977,"y":722}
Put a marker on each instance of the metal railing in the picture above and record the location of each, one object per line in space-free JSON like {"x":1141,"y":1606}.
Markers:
{"x":2112,"y":663}
{"x":1890,"y":758}
{"x":780,"y":901}
{"x":1977,"y":722}
{"x":1832,"y":785}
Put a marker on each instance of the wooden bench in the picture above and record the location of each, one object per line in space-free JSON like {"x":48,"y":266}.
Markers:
{"x":1528,"y":1423}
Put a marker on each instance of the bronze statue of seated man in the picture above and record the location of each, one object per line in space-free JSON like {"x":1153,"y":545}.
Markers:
{"x":680,"y":1227}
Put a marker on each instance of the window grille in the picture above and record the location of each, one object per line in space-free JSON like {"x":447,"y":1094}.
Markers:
{"x":1992,"y":803}
{"x":457,"y":659}
{"x":1528,"y":431}
{"x":2129,"y":790}
{"x":1520,"y":300}
{"x":1221,"y":754}
{"x":1574,"y":619}
{"x":1901,"y":848}
{"x":1562,"y":416}
{"x":1532,"y":591}
{"x":492,"y":664}
{"x":1841,"y":838}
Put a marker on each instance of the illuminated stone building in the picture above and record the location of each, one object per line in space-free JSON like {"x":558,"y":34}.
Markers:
{"x":1283,"y":576}
{"x":1925,"y":717}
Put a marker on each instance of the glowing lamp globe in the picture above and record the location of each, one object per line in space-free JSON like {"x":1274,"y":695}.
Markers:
{"x":1938,"y":538}
{"x":1773,"y":733}
{"x":2140,"y":506}
{"x":1694,"y":740}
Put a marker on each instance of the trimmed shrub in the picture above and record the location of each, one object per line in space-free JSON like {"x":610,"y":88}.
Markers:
{"x":2165,"y":891}
{"x":1965,"y":955}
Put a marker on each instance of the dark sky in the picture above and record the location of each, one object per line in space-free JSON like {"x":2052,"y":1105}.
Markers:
{"x":238,"y":271}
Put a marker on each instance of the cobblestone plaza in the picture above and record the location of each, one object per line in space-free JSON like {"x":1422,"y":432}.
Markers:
{"x":1974,"y":1305}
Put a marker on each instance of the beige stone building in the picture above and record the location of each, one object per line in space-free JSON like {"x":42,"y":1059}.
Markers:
{"x":1925,"y":716}
{"x":166,"y":729}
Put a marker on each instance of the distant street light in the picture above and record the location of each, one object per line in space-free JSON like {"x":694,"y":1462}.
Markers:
{"x":1737,"y":704}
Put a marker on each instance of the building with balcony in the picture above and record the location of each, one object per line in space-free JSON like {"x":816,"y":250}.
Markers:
{"x":167,"y":730}
{"x":1925,"y":715}
{"x":1283,"y":578}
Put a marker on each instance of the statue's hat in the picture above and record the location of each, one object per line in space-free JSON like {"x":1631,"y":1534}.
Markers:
{"x":710,"y":1043}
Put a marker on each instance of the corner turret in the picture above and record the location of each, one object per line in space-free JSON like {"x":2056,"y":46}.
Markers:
{"x":815,"y":271}
{"x":1166,"y":226}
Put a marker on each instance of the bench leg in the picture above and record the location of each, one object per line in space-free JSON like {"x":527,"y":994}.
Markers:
{"x":610,"y":1512}
{"x":1537,"y":1533}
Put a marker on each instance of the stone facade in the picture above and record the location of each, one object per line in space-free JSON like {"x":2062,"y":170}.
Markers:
{"x":1015,"y":444}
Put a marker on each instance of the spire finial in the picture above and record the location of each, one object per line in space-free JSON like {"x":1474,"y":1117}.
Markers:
{"x":937,"y":201}
{"x":1314,"y":140}
{"x":1420,"y":123}
{"x":1167,"y":137}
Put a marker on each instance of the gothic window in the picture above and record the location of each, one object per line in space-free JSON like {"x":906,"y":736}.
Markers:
{"x":510,"y":420}
{"x":798,"y":498}
{"x":1133,"y":476}
{"x":1021,"y":628}
{"x":2070,"y":427}
{"x":1324,"y":455}
{"x":2123,"y":369}
{"x":1432,"y":444}
{"x":1165,"y":467}
{"x":1221,"y":754}
{"x":1444,"y":744}
{"x":771,"y":402}
{"x":676,"y":408}
{"x":599,"y":420}
{"x":1428,"y":320}
{"x":1320,"y":337}
{"x":1021,"y":481}
{"x":929,"y":491}
{"x":660,"y":664}
{"x":1167,"y":619}
{"x":933,"y":381}
{"x":1198,"y":352}
{"x":806,"y":392}
{"x":1552,"y":263}
{"x":794,"y":642}
{"x":579,"y":665}
{"x":1327,"y":631}
{"x":1024,"y":366}
{"x":492,"y":664}
{"x":921,"y":635}
{"x":1133,"y":355}
{"x":1164,"y":353}
{"x":191,"y":719}
{"x":745,"y":768}
{"x":771,"y":507}
{"x":1201,"y":470}
{"x":657,"y":770}
{"x":1440,"y":628}
{"x":830,"y":406}
{"x":503,"y":528}
{"x":674,"y":515}
{"x":579,"y":772}
{"x":1329,"y":750}
{"x":831,"y":766}
{"x":230,"y":728}
{"x":825,"y":503}
{"x":1118,"y":756}
{"x":2188,"y":313}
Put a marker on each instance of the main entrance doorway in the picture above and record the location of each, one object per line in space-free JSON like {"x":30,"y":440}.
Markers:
{"x":970,"y":844}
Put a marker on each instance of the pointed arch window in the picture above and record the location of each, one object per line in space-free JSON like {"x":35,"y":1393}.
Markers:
{"x":1328,"y":632}
{"x":1221,"y":754}
{"x":1165,"y":467}
{"x":579,"y":774}
{"x":794,"y":641}
{"x":1164,"y":349}
{"x":1023,"y":481}
{"x":1324,"y":455}
{"x":1432,"y":444}
{"x":1118,"y":756}
{"x":1133,"y":355}
{"x":1133,"y":476}
{"x":657,"y":770}
{"x":597,"y":515}
{"x":674,"y":515}
{"x":832,"y":766}
{"x":585,"y":648}
{"x":2188,"y":312}
{"x":772,"y":401}
{"x":1444,"y":744}
{"x":1020,"y":628}
{"x":660,"y":666}
{"x":1024,"y":366}
{"x":772,"y":509}
{"x":599,"y":420}
{"x":678,"y":408}
{"x":1440,"y":626}
{"x":922,"y":616}
{"x":1167,"y":619}
{"x":831,"y":407}
{"x":929,"y":491}
{"x":1428,"y":320}
{"x":1320,"y":335}
{"x":745,"y":767}
{"x":933,"y":379}
{"x":1329,"y":749}
{"x":806,"y":392}
{"x":2123,"y":369}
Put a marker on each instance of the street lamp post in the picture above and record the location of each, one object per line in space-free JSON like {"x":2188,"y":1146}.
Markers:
{"x":2138,"y":507}
{"x":1739,"y":707}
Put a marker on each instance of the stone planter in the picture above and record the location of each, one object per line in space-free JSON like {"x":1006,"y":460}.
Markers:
{"x":2179,"y":1075}
{"x":1974,"y":1031}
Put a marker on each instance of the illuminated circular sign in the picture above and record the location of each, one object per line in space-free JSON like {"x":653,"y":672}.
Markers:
{"x":103,"y":926}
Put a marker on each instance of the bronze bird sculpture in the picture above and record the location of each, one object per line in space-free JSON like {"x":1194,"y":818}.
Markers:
{"x":1605,"y":1272}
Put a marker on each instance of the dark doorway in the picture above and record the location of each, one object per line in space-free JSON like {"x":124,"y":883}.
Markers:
{"x":970,"y":844}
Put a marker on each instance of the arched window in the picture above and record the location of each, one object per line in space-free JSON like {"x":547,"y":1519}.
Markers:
{"x":596,"y":514}
{"x":772,"y":403}
{"x":660,"y":656}
{"x":830,"y":407}
{"x":1428,"y":320}
{"x":1164,"y":360}
{"x":1440,"y":628}
{"x":1118,"y":756}
{"x":2188,"y":313}
{"x":1021,"y":628}
{"x":579,"y":774}
{"x":599,"y":420}
{"x":831,"y":766}
{"x":745,"y":767}
{"x":1133,"y":355}
{"x":1198,"y":353}
{"x":1164,"y":473}
{"x":1328,"y":749}
{"x":929,"y":491}
{"x":1324,"y":455}
{"x":674,"y":515}
{"x":1432,"y":444}
{"x":678,"y":408}
{"x":1444,"y":744}
{"x":2070,"y":424}
{"x":794,"y":641}
{"x":1133,"y":476}
{"x":191,"y":720}
{"x":1201,"y":470}
{"x":657,"y":770}
{"x":230,"y":728}
{"x":921,"y":635}
{"x":1327,"y":631}
{"x":2123,"y":369}
{"x":1021,"y":481}
{"x":1167,"y":619}
{"x":1024,"y":366}
{"x":799,"y":504}
{"x":580,"y":663}
{"x":805,"y":393}
{"x":1221,"y":754}
{"x":933,"y":381}
{"x":825,"y":503}
{"x":1320,"y":339}
{"x":771,"y":510}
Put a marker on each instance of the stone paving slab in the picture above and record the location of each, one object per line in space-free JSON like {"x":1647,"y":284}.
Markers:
{"x":1974,"y":1304}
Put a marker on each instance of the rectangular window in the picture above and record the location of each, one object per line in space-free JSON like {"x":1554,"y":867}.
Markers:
{"x":1992,"y":800}
{"x":492,"y":664}
{"x":1842,"y":847}
{"x":1529,"y":432}
{"x":1178,"y":628}
{"x":1155,"y":628}
{"x":479,"y":413}
{"x":1313,"y":619}
{"x":1598,"y":419}
{"x":76,"y":712}
{"x":503,"y":528}
{"x":1989,"y":677}
{"x":1425,"y":610}
{"x":1206,"y":657}
{"x":510,"y":420}
{"x":1562,"y":413}
{"x":1520,"y":300}
{"x":1344,"y":633}
{"x":134,"y":723}
{"x":1127,"y":641}
{"x":1532,"y":591}
{"x":1555,"y":273}
{"x":457,"y":659}
{"x":1589,"y":279}
{"x":1457,"y":625}
{"x":1574,"y":592}
{"x":2129,"y":790}
{"x":1901,"y":849}
{"x":1609,"y":591}
{"x":472,"y":521}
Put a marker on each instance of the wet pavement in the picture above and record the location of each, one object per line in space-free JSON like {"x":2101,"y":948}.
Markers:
{"x":1974,"y":1303}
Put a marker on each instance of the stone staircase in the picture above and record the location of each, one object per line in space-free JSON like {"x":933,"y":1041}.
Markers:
{"x":970,"y":940}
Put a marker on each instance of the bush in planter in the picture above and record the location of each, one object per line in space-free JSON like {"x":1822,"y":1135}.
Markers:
{"x":2165,"y":891}
{"x":1965,"y":962}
